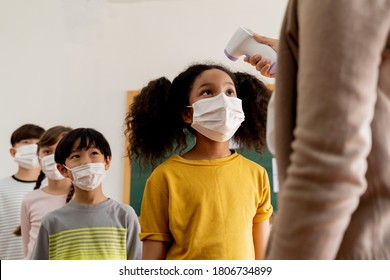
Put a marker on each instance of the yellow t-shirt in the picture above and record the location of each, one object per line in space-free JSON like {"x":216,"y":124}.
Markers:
{"x":206,"y":208}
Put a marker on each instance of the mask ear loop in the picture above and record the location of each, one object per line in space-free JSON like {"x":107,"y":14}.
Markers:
{"x":67,"y":168}
{"x":70,"y":169}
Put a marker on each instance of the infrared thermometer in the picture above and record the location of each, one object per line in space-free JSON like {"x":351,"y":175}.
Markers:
{"x":243,"y":43}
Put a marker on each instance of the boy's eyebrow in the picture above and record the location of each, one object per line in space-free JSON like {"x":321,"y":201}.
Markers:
{"x":86,"y":148}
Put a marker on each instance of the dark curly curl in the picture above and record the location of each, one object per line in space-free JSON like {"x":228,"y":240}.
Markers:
{"x":255,"y":97}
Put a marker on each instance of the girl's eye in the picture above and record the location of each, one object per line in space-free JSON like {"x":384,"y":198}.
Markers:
{"x":207,"y":92}
{"x":230,"y":93}
{"x":45,"y":151}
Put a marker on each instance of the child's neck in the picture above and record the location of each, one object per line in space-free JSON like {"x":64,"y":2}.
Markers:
{"x":93,"y":197}
{"x":59,"y":187}
{"x":206,"y":149}
{"x":24,"y":174}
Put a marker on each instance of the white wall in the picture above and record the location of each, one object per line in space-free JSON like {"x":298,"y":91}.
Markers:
{"x":71,"y":62}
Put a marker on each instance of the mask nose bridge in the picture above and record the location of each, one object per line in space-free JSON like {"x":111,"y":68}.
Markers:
{"x":225,"y":105}
{"x":48,"y":160}
{"x":224,"y":94}
{"x":27,"y":150}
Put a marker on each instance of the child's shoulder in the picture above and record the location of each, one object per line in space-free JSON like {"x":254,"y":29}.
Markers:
{"x":9,"y":180}
{"x":121,"y":207}
{"x":12,"y":185}
{"x":167,"y":164}
{"x":6,"y":179}
{"x":32,"y":195}
{"x":251,"y":163}
{"x":58,"y":215}
{"x":111,"y":206}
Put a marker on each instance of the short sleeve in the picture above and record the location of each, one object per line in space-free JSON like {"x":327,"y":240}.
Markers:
{"x":154,"y":211}
{"x":134,"y":245}
{"x":265,"y":209}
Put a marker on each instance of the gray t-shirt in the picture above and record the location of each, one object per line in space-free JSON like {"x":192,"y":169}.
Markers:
{"x":108,"y":230}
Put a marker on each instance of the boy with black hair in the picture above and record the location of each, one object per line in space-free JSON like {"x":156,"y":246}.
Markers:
{"x":91,"y":226}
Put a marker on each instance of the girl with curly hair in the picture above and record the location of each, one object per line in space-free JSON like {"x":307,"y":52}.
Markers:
{"x":206,"y":201}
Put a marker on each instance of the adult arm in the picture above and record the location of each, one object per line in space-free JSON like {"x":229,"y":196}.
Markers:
{"x":322,"y":172}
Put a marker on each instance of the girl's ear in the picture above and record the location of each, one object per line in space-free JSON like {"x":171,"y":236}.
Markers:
{"x":63,"y":170}
{"x":187,"y":115}
{"x":108,"y":162}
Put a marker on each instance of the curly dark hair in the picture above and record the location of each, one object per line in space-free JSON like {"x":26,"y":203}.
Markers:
{"x":155,"y":127}
{"x":255,"y":97}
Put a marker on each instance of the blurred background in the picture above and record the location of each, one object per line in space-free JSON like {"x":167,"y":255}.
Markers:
{"x":72,"y":62}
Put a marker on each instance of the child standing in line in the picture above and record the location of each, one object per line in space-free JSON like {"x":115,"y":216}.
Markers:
{"x":59,"y":190}
{"x":91,"y":226}
{"x":13,"y":188}
{"x":209,"y":202}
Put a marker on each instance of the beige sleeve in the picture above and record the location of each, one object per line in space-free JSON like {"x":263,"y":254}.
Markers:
{"x":334,"y":75}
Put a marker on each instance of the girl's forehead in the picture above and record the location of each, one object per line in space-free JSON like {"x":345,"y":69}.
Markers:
{"x":40,"y":147}
{"x":213,"y":75}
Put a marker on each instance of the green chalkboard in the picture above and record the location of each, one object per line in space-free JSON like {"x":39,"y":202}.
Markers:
{"x":138,"y":178}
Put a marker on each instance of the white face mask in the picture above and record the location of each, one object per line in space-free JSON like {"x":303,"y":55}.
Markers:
{"x":49,"y":167}
{"x":88,"y":176}
{"x":26,"y":156}
{"x":218,"y":118}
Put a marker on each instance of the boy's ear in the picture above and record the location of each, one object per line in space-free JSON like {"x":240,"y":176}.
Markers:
{"x":63,"y":170}
{"x":108,"y":162}
{"x":12,"y":152}
{"x":187,"y":115}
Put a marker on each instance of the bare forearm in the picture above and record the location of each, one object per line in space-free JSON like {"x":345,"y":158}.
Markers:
{"x":261,"y":233}
{"x":154,"y":250}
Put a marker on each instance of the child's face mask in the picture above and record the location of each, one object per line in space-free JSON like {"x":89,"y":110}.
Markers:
{"x":26,"y":156}
{"x":218,"y":118}
{"x":49,"y":167}
{"x":88,"y":176}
